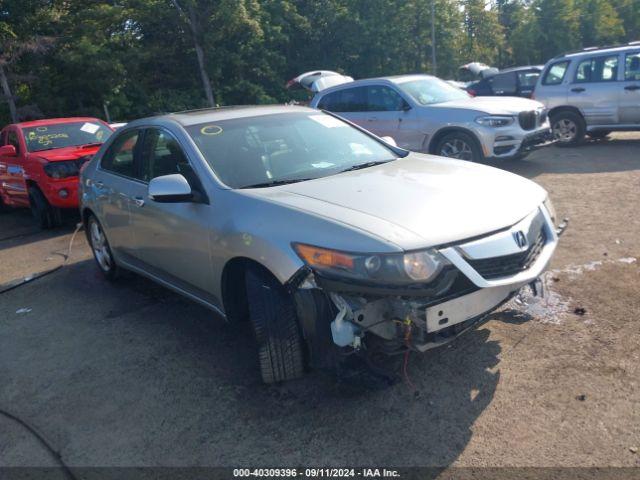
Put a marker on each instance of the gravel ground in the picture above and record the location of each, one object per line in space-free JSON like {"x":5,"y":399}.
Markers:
{"x":132,"y":374}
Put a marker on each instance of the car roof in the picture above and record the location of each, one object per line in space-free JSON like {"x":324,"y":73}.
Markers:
{"x":397,"y":79}
{"x":205,"y":115}
{"x":598,"y":50}
{"x":52,"y":121}
{"x":517,"y":69}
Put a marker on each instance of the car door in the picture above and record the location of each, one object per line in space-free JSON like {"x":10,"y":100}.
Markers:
{"x":12,"y":169}
{"x":504,"y":84}
{"x":594,"y":89}
{"x":171,"y":239}
{"x":114,"y":184}
{"x":629,"y":93}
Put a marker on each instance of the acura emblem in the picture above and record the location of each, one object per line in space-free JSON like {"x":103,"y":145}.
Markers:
{"x":521,"y":239}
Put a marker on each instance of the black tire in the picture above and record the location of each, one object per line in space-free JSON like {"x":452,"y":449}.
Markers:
{"x":101,"y":249}
{"x":599,"y":134}
{"x":273,"y":316}
{"x":3,"y":207}
{"x":568,"y":128}
{"x":451,"y":146}
{"x":43,"y":213}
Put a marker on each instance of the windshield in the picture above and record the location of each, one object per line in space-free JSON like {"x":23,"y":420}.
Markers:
{"x":428,"y":91}
{"x":59,"y":135}
{"x":274,"y":149}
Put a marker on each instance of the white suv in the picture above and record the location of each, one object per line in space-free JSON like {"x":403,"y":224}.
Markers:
{"x":425,"y":114}
{"x":592,"y":92}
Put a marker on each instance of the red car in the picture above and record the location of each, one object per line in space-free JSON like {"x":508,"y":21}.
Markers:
{"x":40,"y":162}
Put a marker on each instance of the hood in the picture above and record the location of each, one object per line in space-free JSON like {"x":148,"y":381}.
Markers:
{"x":67,"y":153}
{"x":417,"y":201}
{"x":493,"y":105}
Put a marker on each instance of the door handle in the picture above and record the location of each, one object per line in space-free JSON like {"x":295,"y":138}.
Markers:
{"x":577,"y":90}
{"x":139,"y":201}
{"x":632,"y":87}
{"x":372,"y":119}
{"x":99,"y":184}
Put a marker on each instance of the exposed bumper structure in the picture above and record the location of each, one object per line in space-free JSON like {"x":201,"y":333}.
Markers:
{"x":484,"y":273}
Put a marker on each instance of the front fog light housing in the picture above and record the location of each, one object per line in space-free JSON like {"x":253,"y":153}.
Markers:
{"x":63,"y":193}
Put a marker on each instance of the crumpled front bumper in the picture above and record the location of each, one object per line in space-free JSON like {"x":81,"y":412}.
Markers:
{"x":424,"y":323}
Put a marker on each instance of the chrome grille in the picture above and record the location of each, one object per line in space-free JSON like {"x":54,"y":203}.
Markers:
{"x":509,"y":265}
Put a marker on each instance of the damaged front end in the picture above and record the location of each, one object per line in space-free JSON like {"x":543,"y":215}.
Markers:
{"x":345,"y":305}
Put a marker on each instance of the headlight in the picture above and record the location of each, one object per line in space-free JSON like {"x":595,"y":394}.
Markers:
{"x":495,"y":120}
{"x":396,"y":268}
{"x":548,"y":204}
{"x":62,"y":169}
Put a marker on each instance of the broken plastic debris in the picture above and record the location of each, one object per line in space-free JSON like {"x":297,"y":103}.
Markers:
{"x":582,"y":397}
{"x":23,"y":310}
{"x":628,"y":260}
{"x":579,"y":311}
{"x":633,"y":449}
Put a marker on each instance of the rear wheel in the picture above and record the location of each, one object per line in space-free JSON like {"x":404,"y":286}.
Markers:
{"x":101,"y":249}
{"x":273,"y":316}
{"x":568,"y":128}
{"x":459,"y":145}
{"x":3,"y":207}
{"x":44,"y":214}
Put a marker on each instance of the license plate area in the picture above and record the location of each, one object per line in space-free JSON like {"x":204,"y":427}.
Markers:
{"x":463,"y":308}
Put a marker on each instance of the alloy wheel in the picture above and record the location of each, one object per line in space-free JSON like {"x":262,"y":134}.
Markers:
{"x":457,"y":148}
{"x":565,"y":130}
{"x":100,"y":247}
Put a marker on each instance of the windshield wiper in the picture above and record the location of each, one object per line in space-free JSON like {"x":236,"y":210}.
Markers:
{"x":89,"y":145}
{"x":275,"y":183}
{"x":360,"y":166}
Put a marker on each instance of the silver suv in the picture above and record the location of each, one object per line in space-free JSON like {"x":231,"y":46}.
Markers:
{"x":592,"y":92}
{"x":425,"y":114}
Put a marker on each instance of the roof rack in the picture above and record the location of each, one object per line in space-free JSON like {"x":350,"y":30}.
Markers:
{"x":591,"y":49}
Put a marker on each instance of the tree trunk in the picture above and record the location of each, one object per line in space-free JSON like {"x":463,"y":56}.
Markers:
{"x":195,"y":31}
{"x":6,"y":90}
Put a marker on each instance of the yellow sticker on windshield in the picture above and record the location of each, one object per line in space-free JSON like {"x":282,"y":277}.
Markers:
{"x":211,"y":130}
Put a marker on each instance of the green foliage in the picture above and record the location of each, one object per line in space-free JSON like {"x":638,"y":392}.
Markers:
{"x":138,"y":57}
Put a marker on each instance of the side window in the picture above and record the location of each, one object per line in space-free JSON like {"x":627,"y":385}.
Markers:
{"x":504,"y":83}
{"x":555,"y":73}
{"x":329,"y":102}
{"x":12,"y":139}
{"x":597,"y":69}
{"x":383,"y":99}
{"x":346,"y":100}
{"x":632,"y":66}
{"x":163,"y":155}
{"x":119,"y":158}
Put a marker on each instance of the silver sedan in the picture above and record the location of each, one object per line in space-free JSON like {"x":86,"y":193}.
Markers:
{"x":328,"y":239}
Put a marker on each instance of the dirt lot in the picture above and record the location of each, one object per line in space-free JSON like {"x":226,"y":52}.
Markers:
{"x":132,"y":374}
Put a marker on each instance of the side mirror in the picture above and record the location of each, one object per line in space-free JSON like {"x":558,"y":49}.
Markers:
{"x":8,"y":151}
{"x":405,"y":107}
{"x":170,"y":189}
{"x":389,"y":140}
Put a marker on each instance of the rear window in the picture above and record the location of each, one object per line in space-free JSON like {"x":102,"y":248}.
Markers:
{"x":555,"y":73}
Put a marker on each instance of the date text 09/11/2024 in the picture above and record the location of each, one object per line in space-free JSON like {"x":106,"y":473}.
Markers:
{"x":316,"y":472}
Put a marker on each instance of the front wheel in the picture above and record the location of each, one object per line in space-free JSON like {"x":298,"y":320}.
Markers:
{"x":43,"y":213}
{"x":273,"y":316}
{"x":101,"y":249}
{"x":459,"y":145}
{"x":568,"y":128}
